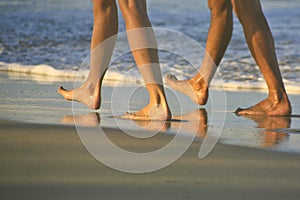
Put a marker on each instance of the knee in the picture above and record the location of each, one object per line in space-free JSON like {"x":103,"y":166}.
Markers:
{"x":135,"y":8}
{"x":240,"y":14}
{"x":247,"y":11}
{"x":100,"y":6}
{"x":219,"y":7}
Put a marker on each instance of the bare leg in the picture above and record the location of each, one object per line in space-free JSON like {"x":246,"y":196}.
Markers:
{"x":135,"y":15}
{"x":105,"y":26}
{"x":219,"y":36}
{"x":261,"y":44}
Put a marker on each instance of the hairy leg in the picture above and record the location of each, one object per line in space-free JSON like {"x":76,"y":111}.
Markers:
{"x":261,"y":44}
{"x":144,"y":49}
{"x":219,"y":36}
{"x":102,"y":44}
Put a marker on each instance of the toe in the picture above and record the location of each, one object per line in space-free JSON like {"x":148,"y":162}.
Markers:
{"x":61,"y":90}
{"x":127,"y":115}
{"x":250,"y":111}
{"x":238,"y":111}
{"x":171,"y":77}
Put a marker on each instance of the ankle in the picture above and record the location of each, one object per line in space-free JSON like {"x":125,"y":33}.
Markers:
{"x":198,"y":83}
{"x":278,"y":96}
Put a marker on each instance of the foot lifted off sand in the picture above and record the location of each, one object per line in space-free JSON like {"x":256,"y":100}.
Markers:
{"x":198,"y":92}
{"x":86,"y":94}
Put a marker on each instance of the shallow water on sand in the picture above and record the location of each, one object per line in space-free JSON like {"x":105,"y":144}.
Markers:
{"x":52,"y":38}
{"x":26,"y":101}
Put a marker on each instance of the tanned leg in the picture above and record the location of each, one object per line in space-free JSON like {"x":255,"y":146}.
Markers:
{"x":135,"y":15}
{"x":219,"y":36}
{"x":261,"y":44}
{"x":105,"y":26}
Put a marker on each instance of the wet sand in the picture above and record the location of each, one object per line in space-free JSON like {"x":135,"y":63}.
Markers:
{"x":50,"y":162}
{"x":42,"y":156}
{"x":34,"y":99}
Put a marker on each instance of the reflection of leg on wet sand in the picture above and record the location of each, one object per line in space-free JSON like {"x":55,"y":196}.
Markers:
{"x":272,"y":125}
{"x":89,"y":120}
{"x":195,"y":121}
{"x":154,"y":126}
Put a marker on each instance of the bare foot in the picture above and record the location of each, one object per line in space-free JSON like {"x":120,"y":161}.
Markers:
{"x":86,"y":94}
{"x":196,"y":90}
{"x":268,"y":107}
{"x":155,"y":112}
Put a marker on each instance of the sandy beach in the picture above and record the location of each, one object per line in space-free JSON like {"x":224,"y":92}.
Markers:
{"x":51,"y":148}
{"x":42,"y":156}
{"x":50,"y":162}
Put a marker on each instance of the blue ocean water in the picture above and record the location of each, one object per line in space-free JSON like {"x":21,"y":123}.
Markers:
{"x":56,"y":34}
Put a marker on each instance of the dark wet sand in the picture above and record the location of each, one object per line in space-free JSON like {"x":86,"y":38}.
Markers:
{"x":50,"y":162}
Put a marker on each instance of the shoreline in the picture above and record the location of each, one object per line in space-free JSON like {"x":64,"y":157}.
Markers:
{"x":26,"y":101}
{"x":42,"y":156}
{"x":112,"y":79}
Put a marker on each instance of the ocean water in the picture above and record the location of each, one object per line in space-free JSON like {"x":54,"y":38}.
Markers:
{"x":52,"y":38}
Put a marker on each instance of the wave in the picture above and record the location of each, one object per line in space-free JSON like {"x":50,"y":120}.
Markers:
{"x":48,"y":73}
{"x":291,"y":87}
{"x":42,"y":70}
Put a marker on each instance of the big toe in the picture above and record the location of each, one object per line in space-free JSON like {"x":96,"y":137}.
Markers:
{"x":67,"y":94}
{"x":171,"y":77}
{"x":250,"y":111}
{"x":60,"y":89}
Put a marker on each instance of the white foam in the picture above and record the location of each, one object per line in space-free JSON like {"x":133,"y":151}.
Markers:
{"x":48,"y":73}
{"x":42,"y":70}
{"x":236,"y":85}
{"x":291,"y":87}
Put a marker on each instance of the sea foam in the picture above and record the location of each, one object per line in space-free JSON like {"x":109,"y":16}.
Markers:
{"x":49,"y":73}
{"x":52,"y":74}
